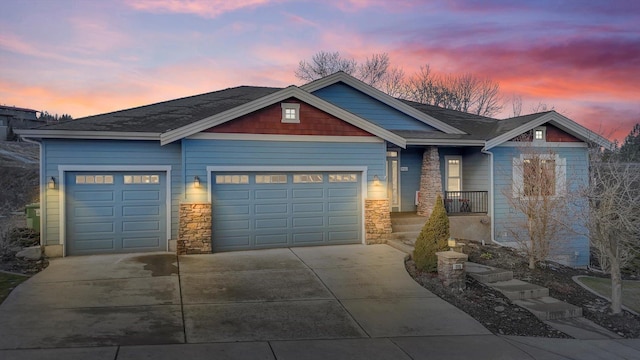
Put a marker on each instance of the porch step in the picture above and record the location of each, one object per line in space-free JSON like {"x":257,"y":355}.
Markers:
{"x":519,"y":290}
{"x":399,"y":245}
{"x":487,"y":274}
{"x":407,"y":227}
{"x":405,"y":236}
{"x":407,"y":219}
{"x":548,"y":308}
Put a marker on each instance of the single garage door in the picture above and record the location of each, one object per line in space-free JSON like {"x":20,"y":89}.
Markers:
{"x":115,"y":212}
{"x":268,"y":210}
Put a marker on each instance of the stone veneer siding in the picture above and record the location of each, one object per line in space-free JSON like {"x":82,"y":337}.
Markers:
{"x":430,"y":181}
{"x":377,"y":220}
{"x":194,"y":234}
{"x":450,"y":277}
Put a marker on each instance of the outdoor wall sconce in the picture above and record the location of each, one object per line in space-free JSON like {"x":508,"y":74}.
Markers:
{"x":376,"y":180}
{"x":196,"y":182}
{"x":51,"y":183}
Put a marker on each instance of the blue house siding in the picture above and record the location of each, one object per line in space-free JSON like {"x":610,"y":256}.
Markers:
{"x":105,"y":152}
{"x":369,"y":108}
{"x":202,"y":153}
{"x":475,"y":170}
{"x":411,"y":159}
{"x":576,"y":178}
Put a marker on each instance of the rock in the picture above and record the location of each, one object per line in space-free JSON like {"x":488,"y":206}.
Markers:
{"x":30,"y":253}
{"x":499,"y":308}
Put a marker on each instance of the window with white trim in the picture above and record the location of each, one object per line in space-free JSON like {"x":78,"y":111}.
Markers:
{"x":540,"y":133}
{"x":142,"y":179}
{"x":307,"y":178}
{"x":453,"y":173}
{"x":271,"y":179}
{"x":290,"y":113}
{"x":232,"y":179}
{"x":538,"y":175}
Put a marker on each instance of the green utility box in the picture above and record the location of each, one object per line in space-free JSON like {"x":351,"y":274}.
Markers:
{"x":33,"y":216}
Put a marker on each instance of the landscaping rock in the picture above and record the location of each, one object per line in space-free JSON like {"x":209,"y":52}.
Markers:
{"x":30,"y":253}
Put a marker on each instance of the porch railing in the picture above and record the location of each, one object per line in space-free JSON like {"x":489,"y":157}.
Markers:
{"x":465,"y":202}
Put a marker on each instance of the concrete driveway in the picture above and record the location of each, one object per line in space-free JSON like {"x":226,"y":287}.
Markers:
{"x":333,"y":292}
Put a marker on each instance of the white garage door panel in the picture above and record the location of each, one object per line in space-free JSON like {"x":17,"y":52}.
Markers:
{"x":255,"y":215}
{"x":106,"y":215}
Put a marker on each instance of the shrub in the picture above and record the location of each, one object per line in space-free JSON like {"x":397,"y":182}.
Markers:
{"x":432,"y":238}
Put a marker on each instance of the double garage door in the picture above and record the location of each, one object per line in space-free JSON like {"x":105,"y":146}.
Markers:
{"x":115,"y":212}
{"x":266,"y":210}
{"x":120,"y":212}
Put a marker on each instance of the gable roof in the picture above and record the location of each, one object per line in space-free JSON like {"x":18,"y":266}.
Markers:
{"x":291,"y":91}
{"x":380,"y":96}
{"x":509,"y":128}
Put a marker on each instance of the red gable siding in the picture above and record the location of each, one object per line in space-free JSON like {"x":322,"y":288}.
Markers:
{"x":556,"y":135}
{"x":268,"y":121}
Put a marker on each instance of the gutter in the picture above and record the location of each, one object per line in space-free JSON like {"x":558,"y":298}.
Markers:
{"x":491,"y":198}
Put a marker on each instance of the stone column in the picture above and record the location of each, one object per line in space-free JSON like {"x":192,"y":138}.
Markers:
{"x":194,"y":233}
{"x":430,"y":181}
{"x":377,"y":221}
{"x":451,"y":269}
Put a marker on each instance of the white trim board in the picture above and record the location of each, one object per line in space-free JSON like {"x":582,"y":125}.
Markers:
{"x":360,"y":169}
{"x":62,"y":169}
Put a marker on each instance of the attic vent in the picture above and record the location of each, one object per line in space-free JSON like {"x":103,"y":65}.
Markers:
{"x":290,"y":113}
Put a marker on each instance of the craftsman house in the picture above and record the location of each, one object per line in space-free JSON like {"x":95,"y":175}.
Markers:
{"x":251,"y":167}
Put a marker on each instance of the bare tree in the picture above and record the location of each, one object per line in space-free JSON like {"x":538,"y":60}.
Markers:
{"x":541,"y":212}
{"x":324,"y":63}
{"x":614,"y":216}
{"x":516,"y":105}
{"x":374,"y":69}
{"x":393,"y":83}
{"x":465,"y":92}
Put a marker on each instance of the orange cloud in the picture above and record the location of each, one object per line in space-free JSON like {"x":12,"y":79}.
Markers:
{"x":203,"y":8}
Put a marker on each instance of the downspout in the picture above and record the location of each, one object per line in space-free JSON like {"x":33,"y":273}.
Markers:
{"x":491,"y":188}
{"x":43,"y":200}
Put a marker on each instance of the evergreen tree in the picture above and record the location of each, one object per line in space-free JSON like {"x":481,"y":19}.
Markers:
{"x":630,"y":149}
{"x":433,"y":238}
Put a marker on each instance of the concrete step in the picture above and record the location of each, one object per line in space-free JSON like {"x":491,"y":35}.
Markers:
{"x":405,"y":236}
{"x":519,"y":290}
{"x":397,"y":244}
{"x":406,"y":227}
{"x":548,"y":308}
{"x":408,"y":220}
{"x":487,"y":274}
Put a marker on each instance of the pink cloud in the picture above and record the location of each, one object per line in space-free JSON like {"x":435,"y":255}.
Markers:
{"x":208,"y":9}
{"x":16,"y":45}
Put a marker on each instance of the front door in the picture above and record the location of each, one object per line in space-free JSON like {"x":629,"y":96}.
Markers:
{"x":393,"y":179}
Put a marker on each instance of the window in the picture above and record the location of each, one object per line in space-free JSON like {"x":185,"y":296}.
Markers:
{"x":537,"y":175}
{"x":271,"y":179}
{"x":453,"y":173}
{"x":307,"y":178}
{"x":142,"y":179}
{"x":539,"y":134}
{"x":94,"y":179}
{"x":333,"y":178}
{"x":232,"y":179}
{"x":290,"y":113}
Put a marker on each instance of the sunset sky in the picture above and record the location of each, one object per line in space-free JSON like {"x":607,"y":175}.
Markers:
{"x":94,"y":56}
